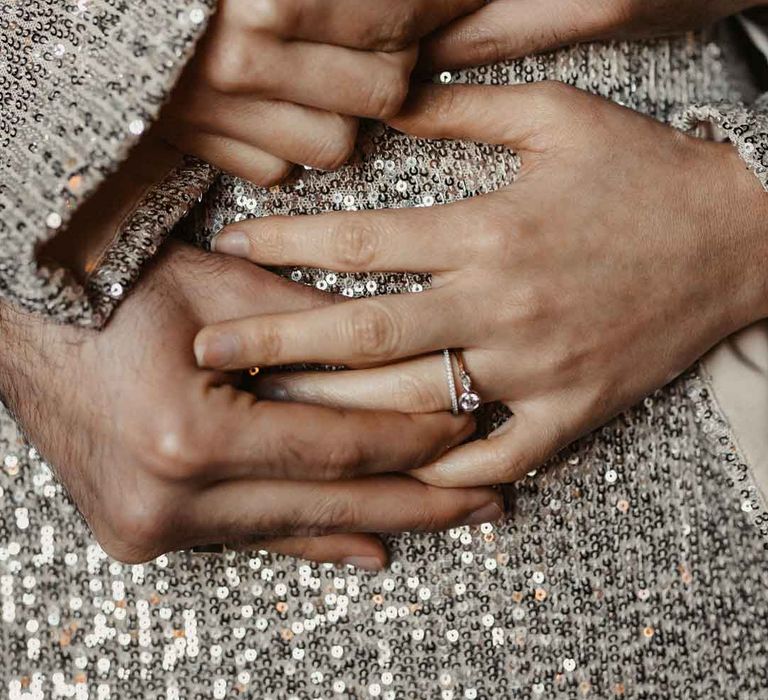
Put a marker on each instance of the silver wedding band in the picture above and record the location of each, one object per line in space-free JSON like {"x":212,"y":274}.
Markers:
{"x":469,"y":400}
{"x":451,"y":379}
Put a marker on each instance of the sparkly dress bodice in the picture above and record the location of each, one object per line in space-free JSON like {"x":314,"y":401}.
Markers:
{"x":631,"y":566}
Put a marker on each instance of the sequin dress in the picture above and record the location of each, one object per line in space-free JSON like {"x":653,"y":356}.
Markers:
{"x":635,"y":564}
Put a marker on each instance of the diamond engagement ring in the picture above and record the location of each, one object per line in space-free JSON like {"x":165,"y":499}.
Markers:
{"x":470,"y":400}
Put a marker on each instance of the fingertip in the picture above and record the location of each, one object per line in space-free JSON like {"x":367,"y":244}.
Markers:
{"x":491,"y":512}
{"x":231,"y":242}
{"x":449,"y":471}
{"x":199,"y":349}
{"x":215,"y":349}
{"x":272,"y":389}
{"x":368,"y":553}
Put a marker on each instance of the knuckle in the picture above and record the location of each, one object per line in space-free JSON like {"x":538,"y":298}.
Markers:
{"x":333,"y":514}
{"x":494,"y":244}
{"x":388,"y":94}
{"x":505,"y":465}
{"x":266,"y":343}
{"x":266,"y":242}
{"x":141,"y":528}
{"x":567,"y":358}
{"x":224,"y":69}
{"x":335,"y":148}
{"x":417,"y":395}
{"x":273,"y":173}
{"x":524,"y":305}
{"x":341,"y":462}
{"x":430,"y":521}
{"x":484,"y":44}
{"x":399,"y":29}
{"x":373,"y":332}
{"x":271,"y":15}
{"x":356,"y":245}
{"x":173,"y":450}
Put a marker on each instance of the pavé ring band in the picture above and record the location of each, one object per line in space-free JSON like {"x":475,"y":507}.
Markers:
{"x":451,"y":379}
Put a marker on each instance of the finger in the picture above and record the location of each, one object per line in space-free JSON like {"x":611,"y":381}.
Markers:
{"x":359,"y":24}
{"x":361,"y":551}
{"x":247,"y":438}
{"x":354,"y":333}
{"x":525,"y":442}
{"x":507,"y":29}
{"x":240,"y":510}
{"x":362,"y":84}
{"x":357,"y":83}
{"x":417,"y":240}
{"x":290,"y":132}
{"x":246,"y":289}
{"x":414,"y":386}
{"x":516,"y":116}
{"x":236,"y":157}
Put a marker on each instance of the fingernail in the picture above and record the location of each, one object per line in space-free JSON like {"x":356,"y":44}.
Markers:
{"x":272,"y":392}
{"x":215,"y":351}
{"x":233,"y":243}
{"x":367,"y":563}
{"x":487,"y":514}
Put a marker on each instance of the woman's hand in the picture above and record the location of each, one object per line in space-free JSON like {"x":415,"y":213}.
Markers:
{"x":278,"y":82}
{"x":622,"y":253}
{"x":513,"y":28}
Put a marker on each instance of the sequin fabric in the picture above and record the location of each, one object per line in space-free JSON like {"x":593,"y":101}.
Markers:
{"x":80,"y":80}
{"x":745,"y":127}
{"x":633,"y":565}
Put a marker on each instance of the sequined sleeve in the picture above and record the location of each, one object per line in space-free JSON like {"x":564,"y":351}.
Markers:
{"x":80,"y":81}
{"x":745,"y":126}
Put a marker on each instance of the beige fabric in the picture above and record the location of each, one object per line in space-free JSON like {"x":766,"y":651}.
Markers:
{"x":80,"y":83}
{"x":738,"y":369}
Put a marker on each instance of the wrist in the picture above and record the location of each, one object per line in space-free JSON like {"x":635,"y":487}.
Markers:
{"x":12,"y":345}
{"x":739,"y":226}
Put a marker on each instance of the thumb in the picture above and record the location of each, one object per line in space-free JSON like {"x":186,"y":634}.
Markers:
{"x":507,"y":29}
{"x":516,"y":116}
{"x":359,"y":550}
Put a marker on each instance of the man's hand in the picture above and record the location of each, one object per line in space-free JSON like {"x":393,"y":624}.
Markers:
{"x":278,"y":82}
{"x":160,"y":455}
{"x":507,"y":29}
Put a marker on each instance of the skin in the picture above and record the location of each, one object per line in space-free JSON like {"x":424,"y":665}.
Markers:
{"x":623,"y":252}
{"x":513,"y":28}
{"x":159,"y":455}
{"x":279,"y":82}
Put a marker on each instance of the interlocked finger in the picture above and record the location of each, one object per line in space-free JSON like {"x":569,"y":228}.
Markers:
{"x":358,"y":24}
{"x":414,"y":386}
{"x":356,"y":333}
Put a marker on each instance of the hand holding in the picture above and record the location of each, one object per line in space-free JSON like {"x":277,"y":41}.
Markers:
{"x":278,"y":82}
{"x":160,"y":456}
{"x":622,"y":253}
